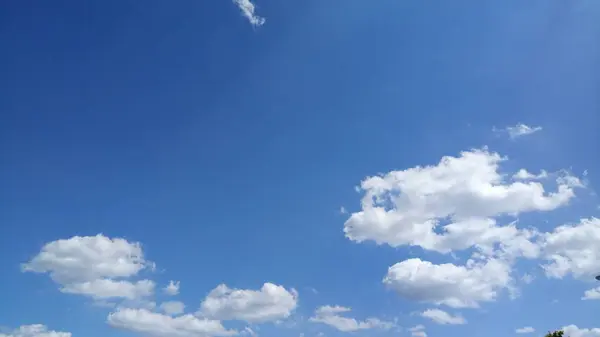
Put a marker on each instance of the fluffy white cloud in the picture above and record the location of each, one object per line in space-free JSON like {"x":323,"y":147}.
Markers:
{"x":94,"y":266}
{"x":35,"y":330}
{"x":406,"y":207}
{"x":442,"y":317}
{"x":573,"y":249}
{"x":106,"y":288}
{"x":272,"y":302}
{"x":330,"y":315}
{"x":592,"y":294}
{"x":249,"y":11}
{"x":574,"y":331}
{"x":456,"y":205}
{"x":172,"y":288}
{"x":449,"y":284}
{"x":88,"y":258}
{"x":151,"y":323}
{"x":526,"y":329}
{"x":172,"y":308}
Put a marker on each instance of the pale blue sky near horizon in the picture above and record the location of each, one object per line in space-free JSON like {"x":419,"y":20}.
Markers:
{"x":228,"y":150}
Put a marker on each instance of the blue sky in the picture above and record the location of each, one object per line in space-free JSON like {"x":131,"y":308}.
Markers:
{"x":237,"y":148}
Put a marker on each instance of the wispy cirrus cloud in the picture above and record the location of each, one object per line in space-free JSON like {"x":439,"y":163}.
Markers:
{"x":526,"y":329}
{"x":518,"y":130}
{"x":249,"y":11}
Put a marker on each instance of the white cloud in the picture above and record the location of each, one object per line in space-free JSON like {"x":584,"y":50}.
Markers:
{"x":35,"y":330}
{"x":573,"y":249}
{"x":151,"y":323}
{"x":442,"y":317}
{"x":330,"y":315}
{"x":451,"y":206}
{"x":106,"y":288}
{"x":592,"y":294}
{"x":418,"y":331}
{"x":449,"y":284}
{"x":172,"y":288}
{"x":526,"y":329}
{"x":172,"y":308}
{"x":574,"y":331}
{"x":94,"y":266}
{"x":523,"y":174}
{"x":519,"y":130}
{"x":88,"y":258}
{"x":406,"y":207}
{"x":248,"y":10}
{"x":272,"y":302}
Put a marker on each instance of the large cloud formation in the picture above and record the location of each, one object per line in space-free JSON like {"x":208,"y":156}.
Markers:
{"x":460,"y":204}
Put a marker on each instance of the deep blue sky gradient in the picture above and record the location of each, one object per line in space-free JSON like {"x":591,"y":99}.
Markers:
{"x":228,"y":151}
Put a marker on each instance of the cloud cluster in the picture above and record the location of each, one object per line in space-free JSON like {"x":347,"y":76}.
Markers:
{"x":456,"y":205}
{"x":462,"y":203}
{"x":104,"y":268}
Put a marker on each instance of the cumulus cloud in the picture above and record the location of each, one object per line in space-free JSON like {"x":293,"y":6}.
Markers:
{"x":574,"y":331}
{"x":456,"y":205}
{"x":592,"y":294}
{"x":407,"y":207}
{"x":442,"y":317}
{"x":272,"y":302}
{"x":156,"y":324}
{"x":94,"y":266}
{"x":173,"y":308}
{"x":518,"y":130}
{"x":526,"y":329}
{"x":573,"y":250}
{"x":331,"y":315}
{"x":172,"y":288}
{"x":35,"y":330}
{"x":249,"y":11}
{"x":449,"y":284}
{"x":88,"y":258}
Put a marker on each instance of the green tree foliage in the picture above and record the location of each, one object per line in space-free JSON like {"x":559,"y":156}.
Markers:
{"x":557,"y":333}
